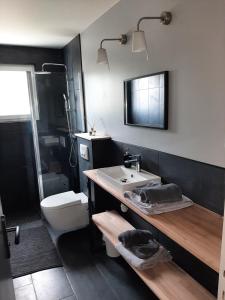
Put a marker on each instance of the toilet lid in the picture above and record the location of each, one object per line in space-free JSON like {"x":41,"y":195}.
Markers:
{"x":61,"y":200}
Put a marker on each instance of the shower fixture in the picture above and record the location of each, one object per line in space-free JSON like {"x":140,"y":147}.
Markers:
{"x":138,"y":36}
{"x":102,"y":57}
{"x":45,"y":72}
{"x":42,"y":72}
{"x":66,"y":98}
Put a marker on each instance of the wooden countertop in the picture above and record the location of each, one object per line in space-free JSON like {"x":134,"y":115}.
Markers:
{"x":195,"y":228}
{"x":167,"y":280}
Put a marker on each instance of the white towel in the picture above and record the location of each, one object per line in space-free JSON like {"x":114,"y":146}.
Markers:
{"x":162,"y":255}
{"x":157,"y":208}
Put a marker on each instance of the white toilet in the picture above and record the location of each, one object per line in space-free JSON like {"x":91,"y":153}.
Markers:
{"x":66,"y":211}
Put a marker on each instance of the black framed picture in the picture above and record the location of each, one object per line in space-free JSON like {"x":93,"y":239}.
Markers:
{"x":146,"y":101}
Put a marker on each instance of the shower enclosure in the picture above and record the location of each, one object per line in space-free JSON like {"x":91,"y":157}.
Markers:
{"x":57,"y":149}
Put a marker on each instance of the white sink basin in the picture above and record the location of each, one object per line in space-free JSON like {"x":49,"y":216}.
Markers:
{"x":126,"y":179}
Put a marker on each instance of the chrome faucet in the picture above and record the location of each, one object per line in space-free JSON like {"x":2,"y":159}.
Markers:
{"x":129,"y":159}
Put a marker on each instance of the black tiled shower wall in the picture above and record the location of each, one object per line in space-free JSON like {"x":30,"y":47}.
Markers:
{"x":73,"y":61}
{"x":18,"y":179}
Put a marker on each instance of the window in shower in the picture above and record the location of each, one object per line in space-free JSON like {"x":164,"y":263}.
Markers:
{"x":19,"y":111}
{"x":14,"y":95}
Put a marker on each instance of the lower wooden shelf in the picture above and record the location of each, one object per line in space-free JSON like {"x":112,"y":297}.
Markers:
{"x":167,"y":280}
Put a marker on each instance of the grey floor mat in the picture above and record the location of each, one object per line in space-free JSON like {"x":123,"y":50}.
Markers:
{"x":35,"y":252}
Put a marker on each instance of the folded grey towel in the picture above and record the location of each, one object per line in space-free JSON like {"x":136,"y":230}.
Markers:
{"x":159,"y":193}
{"x":139,"y":242}
{"x":157,"y":208}
{"x":161,"y":256}
{"x":145,"y":251}
{"x":133,"y":237}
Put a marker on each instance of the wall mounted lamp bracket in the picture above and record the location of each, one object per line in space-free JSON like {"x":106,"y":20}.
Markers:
{"x":122,"y":40}
{"x":165,"y":19}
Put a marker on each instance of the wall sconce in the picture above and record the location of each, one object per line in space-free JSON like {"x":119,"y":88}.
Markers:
{"x":138,"y":37}
{"x":102,"y":57}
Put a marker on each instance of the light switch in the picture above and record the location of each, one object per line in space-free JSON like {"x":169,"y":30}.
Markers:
{"x":84,"y":151}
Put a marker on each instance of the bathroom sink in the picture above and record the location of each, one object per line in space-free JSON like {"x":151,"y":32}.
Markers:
{"x":126,"y":179}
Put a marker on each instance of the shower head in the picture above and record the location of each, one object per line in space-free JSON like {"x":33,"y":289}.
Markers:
{"x":44,"y":65}
{"x":43,"y":73}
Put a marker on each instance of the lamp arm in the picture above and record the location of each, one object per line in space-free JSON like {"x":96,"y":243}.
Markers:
{"x":165,"y":19}
{"x":122,"y":40}
{"x":108,"y":40}
{"x":146,"y":18}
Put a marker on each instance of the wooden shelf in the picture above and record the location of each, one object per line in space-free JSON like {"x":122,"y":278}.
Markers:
{"x":195,"y":228}
{"x":166,"y":280}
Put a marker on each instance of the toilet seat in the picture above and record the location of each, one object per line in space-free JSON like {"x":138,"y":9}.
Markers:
{"x":66,"y":211}
{"x":63,"y":200}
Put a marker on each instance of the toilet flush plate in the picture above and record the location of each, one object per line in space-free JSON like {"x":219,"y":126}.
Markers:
{"x":84,"y":153}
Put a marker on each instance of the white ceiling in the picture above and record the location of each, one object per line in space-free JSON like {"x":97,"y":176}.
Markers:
{"x":47,"y":23}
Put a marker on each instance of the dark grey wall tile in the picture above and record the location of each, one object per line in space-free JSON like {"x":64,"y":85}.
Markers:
{"x":149,"y":156}
{"x":73,"y":60}
{"x":18,"y":179}
{"x":29,"y":55}
{"x":203,"y":183}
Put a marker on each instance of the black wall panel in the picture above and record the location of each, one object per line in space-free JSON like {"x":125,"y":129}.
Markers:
{"x":18,"y":55}
{"x":18,"y":180}
{"x":73,"y":60}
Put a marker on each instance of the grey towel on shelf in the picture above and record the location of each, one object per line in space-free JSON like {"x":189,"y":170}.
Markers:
{"x":161,"y":256}
{"x":159,"y":193}
{"x":157,"y":208}
{"x":133,"y":237}
{"x":140,"y":242}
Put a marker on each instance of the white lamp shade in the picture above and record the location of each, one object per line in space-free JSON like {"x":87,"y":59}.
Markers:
{"x":138,"y":41}
{"x":102,"y":57}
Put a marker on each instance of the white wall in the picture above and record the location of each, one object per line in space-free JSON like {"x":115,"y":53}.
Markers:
{"x":192,"y":48}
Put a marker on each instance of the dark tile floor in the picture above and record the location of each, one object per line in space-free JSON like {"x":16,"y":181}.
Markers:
{"x":95,"y":276}
{"x":86,"y":275}
{"x":49,"y":284}
{"x":25,"y":219}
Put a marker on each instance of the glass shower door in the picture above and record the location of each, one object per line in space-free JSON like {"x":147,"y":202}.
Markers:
{"x":53,"y":134}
